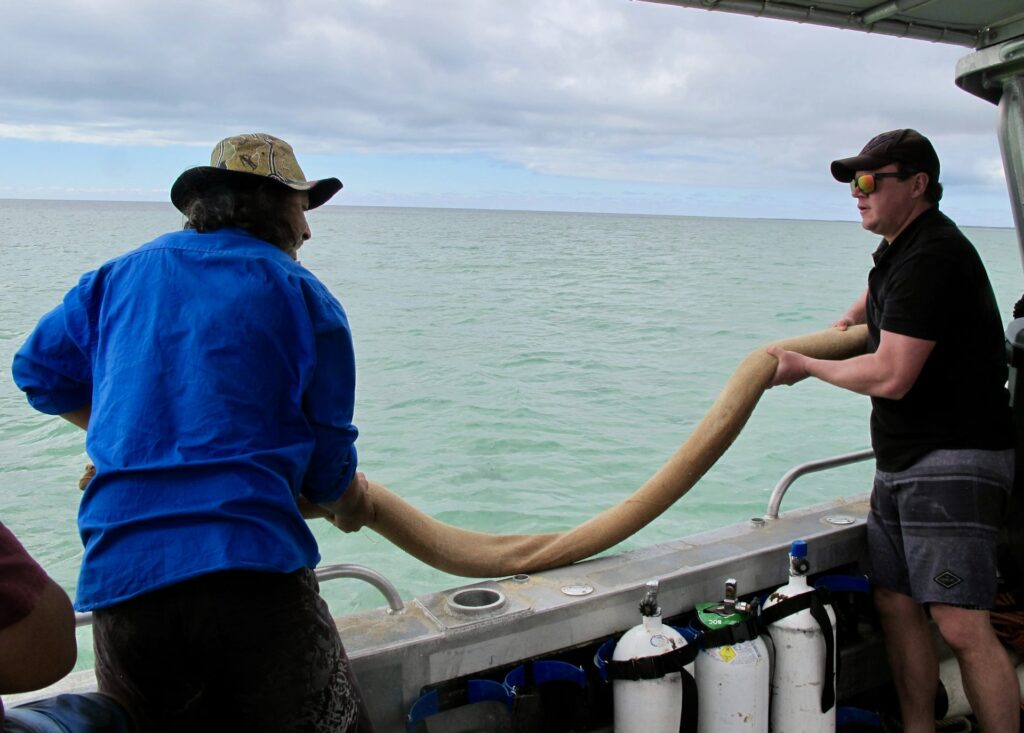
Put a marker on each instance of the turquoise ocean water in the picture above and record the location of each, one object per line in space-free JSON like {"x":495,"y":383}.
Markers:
{"x":518,"y":372}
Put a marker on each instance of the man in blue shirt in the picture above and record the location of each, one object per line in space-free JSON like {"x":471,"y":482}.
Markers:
{"x":215,"y":377}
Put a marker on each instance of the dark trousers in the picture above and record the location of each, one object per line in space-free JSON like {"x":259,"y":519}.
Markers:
{"x":230,"y":651}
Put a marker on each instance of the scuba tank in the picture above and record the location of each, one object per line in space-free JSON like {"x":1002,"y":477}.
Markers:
{"x":802,"y":628}
{"x":647,"y":684}
{"x":951,"y":698}
{"x":733,"y":668}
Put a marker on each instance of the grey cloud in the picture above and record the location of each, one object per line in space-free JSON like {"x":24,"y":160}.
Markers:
{"x":590,"y":88}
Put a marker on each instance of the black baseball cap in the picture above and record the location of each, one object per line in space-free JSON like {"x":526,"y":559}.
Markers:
{"x":908,"y":147}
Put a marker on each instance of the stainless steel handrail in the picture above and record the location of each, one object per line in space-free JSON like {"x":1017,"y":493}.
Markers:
{"x":810,"y":467}
{"x":323,"y":573}
{"x":378,"y":581}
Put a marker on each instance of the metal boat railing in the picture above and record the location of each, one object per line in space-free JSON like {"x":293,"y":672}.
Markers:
{"x":324,"y":573}
{"x":378,"y":581}
{"x":803,"y":469}
{"x":396,"y":605}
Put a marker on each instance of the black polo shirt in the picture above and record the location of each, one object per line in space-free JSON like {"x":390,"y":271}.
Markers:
{"x":930,"y":284}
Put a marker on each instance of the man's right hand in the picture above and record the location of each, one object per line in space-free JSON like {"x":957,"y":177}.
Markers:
{"x":790,"y":369}
{"x":88,"y":475}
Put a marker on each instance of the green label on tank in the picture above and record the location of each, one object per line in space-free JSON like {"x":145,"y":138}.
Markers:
{"x":718,"y":615}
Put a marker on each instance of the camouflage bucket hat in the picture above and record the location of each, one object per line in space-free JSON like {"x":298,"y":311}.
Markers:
{"x":239,"y":160}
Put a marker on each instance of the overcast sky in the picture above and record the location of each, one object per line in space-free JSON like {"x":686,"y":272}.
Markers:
{"x":576,"y":105}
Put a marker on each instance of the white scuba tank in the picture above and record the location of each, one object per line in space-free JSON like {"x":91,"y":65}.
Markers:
{"x":799,"y":674}
{"x":950,"y":685}
{"x":655,"y":705}
{"x":733,"y":679}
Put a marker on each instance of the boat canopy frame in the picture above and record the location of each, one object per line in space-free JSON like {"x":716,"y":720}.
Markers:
{"x":994,"y":71}
{"x":973,"y":23}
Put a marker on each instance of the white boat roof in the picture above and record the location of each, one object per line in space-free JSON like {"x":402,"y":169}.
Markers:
{"x":973,"y":23}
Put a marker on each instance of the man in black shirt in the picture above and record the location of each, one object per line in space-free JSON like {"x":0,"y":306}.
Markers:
{"x":940,"y":427}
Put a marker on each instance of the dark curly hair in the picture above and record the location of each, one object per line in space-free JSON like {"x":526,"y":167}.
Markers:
{"x":255,"y":208}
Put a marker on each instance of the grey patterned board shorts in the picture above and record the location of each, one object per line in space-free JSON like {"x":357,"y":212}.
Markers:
{"x":933,"y":528}
{"x":229,"y":651}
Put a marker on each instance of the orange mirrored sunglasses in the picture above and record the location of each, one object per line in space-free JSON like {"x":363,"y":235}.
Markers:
{"x":866,"y":183}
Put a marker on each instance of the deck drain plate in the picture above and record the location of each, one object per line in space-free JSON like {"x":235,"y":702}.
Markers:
{"x":840,"y":519}
{"x":579,"y":589}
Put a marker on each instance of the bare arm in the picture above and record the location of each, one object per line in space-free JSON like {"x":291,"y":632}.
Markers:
{"x":39,"y":649}
{"x":354,"y":509}
{"x":309,"y":510}
{"x":79,"y":417}
{"x":889,"y":372}
{"x":349,"y":513}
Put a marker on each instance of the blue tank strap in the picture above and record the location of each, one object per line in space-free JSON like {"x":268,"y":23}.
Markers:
{"x":841,"y":583}
{"x":602,"y":656}
{"x":859,"y":716}
{"x":476,"y":690}
{"x":541,"y":672}
{"x":525,"y":676}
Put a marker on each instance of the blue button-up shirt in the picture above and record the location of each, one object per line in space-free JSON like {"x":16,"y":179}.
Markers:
{"x":221,"y":378}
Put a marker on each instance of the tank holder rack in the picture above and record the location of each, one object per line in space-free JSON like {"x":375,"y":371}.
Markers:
{"x":520,"y":678}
